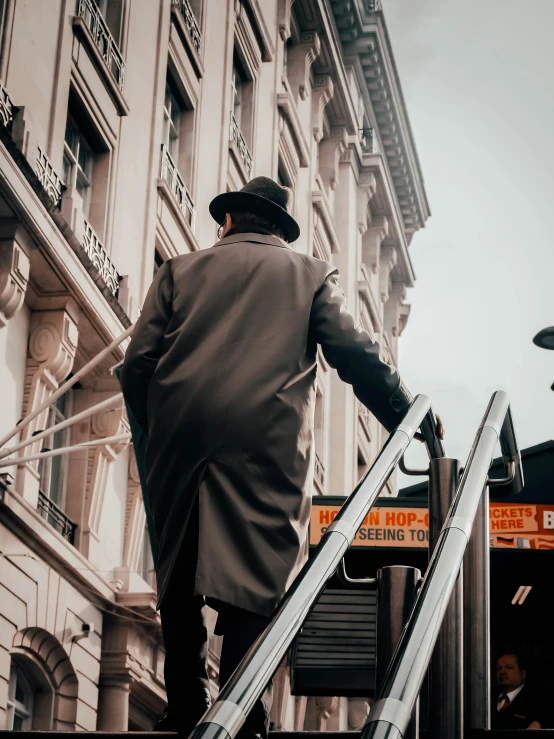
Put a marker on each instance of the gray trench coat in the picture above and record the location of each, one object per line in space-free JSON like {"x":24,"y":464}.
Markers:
{"x":221,"y":371}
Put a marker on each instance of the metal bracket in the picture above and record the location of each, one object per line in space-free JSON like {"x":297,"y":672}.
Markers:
{"x":350,"y":582}
{"x":495,"y":481}
{"x":408,"y":471}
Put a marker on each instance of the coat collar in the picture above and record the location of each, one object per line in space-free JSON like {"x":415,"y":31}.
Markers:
{"x":252,"y":237}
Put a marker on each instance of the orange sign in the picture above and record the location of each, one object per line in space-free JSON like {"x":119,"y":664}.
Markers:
{"x":516,"y":526}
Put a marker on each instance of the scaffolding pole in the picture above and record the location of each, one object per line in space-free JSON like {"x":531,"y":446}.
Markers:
{"x":65,"y":450}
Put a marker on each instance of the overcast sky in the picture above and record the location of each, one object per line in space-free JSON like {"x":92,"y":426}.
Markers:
{"x":478,"y":76}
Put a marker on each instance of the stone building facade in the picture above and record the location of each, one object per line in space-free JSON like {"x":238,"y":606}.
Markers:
{"x":119,"y":121}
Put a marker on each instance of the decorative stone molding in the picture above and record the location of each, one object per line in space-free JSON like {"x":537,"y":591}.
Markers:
{"x":367,"y":187}
{"x":330,"y":151}
{"x":107,"y":423}
{"x":389,"y":258}
{"x":325,"y":236}
{"x":14,"y":276}
{"x":325,"y":706}
{"x":284,"y":9}
{"x":135,"y":518}
{"x":396,"y":311}
{"x":322,"y":92}
{"x":289,"y":113}
{"x":52,"y":347}
{"x":358,"y":711}
{"x":281,"y":698}
{"x":300,"y":59}
{"x":371,"y":244}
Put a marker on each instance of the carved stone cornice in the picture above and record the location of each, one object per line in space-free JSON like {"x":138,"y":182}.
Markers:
{"x":322,"y":92}
{"x":14,"y":276}
{"x":367,"y":185}
{"x":300,"y":59}
{"x":364,"y":35}
{"x":389,"y":258}
{"x":330,"y":151}
{"x":284,"y":9}
{"x":371,"y":244}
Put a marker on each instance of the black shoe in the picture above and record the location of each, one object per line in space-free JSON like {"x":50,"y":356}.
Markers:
{"x":181,"y":725}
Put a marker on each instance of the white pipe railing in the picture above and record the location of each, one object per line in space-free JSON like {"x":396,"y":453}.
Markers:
{"x":65,"y":450}
{"x":108,"y":403}
{"x":66,"y":385}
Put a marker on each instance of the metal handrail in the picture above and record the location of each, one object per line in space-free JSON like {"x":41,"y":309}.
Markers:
{"x":390,"y":714}
{"x":228,"y":713}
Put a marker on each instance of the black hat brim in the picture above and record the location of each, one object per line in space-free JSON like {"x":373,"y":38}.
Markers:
{"x":249,"y":202}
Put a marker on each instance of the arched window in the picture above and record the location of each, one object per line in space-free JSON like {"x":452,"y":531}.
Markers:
{"x":20,"y":700}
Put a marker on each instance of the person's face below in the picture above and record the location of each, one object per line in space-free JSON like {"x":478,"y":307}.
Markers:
{"x":508,"y":673}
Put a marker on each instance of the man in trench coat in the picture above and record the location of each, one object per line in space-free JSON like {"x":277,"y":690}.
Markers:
{"x":221,"y":374}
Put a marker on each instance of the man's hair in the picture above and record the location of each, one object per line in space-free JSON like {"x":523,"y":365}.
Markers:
{"x":521,"y":661}
{"x":250,"y":219}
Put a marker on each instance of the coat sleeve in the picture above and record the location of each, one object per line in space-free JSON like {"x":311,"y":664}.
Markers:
{"x":356,"y":357}
{"x":145,"y":347}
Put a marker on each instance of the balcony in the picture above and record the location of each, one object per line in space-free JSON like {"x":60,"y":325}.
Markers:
{"x":181,"y":195}
{"x":55,"y":517}
{"x":366,"y":140}
{"x":99,"y":257}
{"x":6,"y":107}
{"x":103,"y":39}
{"x":190,"y":22}
{"x":48,"y":178}
{"x":235,"y":135}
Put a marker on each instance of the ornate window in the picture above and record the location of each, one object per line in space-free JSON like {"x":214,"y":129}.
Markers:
{"x":78,"y":159}
{"x":20,"y":701}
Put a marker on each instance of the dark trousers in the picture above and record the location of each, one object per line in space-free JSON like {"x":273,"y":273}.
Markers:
{"x":186,"y":644}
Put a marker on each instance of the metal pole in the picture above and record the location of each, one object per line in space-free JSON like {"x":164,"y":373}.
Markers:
{"x":396,"y":591}
{"x":66,"y":385}
{"x":104,"y":405}
{"x":65,"y":450}
{"x":476,"y":569}
{"x":446,"y":668}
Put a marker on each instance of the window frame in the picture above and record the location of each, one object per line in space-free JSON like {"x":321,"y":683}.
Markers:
{"x":76,"y":174}
{"x":55,"y":441}
{"x":16,"y":709}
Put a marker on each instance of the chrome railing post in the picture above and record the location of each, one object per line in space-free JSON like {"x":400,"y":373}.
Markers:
{"x":476,"y":569}
{"x":396,"y":592}
{"x":390,"y":715}
{"x":446,"y":668}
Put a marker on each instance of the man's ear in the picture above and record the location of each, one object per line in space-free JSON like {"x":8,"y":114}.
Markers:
{"x":523,"y":675}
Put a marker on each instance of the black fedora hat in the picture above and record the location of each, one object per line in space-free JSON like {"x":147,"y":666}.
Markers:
{"x":263,"y":197}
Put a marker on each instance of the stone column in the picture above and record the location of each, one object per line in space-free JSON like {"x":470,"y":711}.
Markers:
{"x":113,"y":703}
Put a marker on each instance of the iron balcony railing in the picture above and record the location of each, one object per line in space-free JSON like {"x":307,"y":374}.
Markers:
{"x":190,"y":22}
{"x":54,"y":516}
{"x":225,"y":718}
{"x":235,"y":134}
{"x":99,"y":257}
{"x":51,"y":182}
{"x":6,"y":107}
{"x":170,"y":174}
{"x":391,"y":713}
{"x":89,"y":11}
